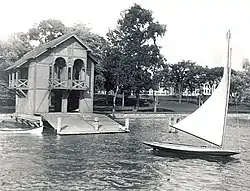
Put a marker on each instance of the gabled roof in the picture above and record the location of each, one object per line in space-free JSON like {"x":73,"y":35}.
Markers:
{"x":92,"y":57}
{"x":44,"y":47}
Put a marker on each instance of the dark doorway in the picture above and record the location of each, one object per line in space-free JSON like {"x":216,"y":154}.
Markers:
{"x":78,"y":68}
{"x":73,"y":101}
{"x":60,"y":69}
{"x":56,"y":101}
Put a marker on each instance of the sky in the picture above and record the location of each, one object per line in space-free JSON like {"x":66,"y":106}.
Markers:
{"x":196,"y":30}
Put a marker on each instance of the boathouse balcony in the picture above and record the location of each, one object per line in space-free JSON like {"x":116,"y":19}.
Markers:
{"x":19,"y":79}
{"x":67,"y":84}
{"x":18,"y":83}
{"x":62,"y":76}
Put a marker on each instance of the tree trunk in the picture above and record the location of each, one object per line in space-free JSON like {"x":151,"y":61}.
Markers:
{"x":199,"y":100}
{"x":123,"y":99}
{"x":240,"y":98}
{"x":179,"y":89}
{"x":137,"y":94}
{"x":107,"y":97}
{"x":114,"y":98}
{"x":155,"y":101}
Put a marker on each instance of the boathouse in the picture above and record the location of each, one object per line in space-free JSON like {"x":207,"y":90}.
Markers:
{"x":57,"y":76}
{"x":54,"y":85}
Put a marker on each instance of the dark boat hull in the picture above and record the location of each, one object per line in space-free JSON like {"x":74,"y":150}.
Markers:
{"x":184,"y":150}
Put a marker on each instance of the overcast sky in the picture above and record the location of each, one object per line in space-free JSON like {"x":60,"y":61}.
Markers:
{"x":196,"y":29}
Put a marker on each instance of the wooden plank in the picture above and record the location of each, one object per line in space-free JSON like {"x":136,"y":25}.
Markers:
{"x":83,"y":124}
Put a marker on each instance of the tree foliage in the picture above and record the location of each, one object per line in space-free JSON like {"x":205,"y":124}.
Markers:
{"x":47,"y":30}
{"x":134,"y":56}
{"x":245,"y":75}
{"x":237,"y":85}
{"x":186,"y":75}
{"x":181,"y":76}
{"x":214,"y":75}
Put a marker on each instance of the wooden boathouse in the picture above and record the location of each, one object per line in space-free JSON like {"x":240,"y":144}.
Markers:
{"x":56,"y":80}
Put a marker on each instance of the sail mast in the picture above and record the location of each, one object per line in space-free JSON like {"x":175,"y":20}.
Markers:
{"x":208,"y":121}
{"x":229,"y":55}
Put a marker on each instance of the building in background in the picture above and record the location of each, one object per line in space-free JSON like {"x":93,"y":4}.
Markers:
{"x":170,"y":91}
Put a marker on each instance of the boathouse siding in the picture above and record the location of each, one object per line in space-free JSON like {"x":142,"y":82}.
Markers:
{"x":60,"y":72}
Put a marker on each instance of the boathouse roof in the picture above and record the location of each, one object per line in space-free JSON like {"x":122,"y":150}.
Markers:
{"x":49,"y":45}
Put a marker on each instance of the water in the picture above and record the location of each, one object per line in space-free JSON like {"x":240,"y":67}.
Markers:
{"x":119,"y":161}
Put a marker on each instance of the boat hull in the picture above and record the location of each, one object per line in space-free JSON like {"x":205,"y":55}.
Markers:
{"x":184,"y":150}
{"x":35,"y":131}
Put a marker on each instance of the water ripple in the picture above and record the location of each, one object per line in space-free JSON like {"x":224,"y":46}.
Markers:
{"x":119,"y":162}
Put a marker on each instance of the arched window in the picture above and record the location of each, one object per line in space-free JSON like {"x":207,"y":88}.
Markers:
{"x":78,"y":70}
{"x":60,"y":68}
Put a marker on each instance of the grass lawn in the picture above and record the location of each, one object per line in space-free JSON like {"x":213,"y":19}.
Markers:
{"x":103,"y":103}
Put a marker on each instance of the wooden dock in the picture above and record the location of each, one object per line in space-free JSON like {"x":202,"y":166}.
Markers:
{"x":88,"y":123}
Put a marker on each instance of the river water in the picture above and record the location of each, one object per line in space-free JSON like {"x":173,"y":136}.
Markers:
{"x":119,"y":161}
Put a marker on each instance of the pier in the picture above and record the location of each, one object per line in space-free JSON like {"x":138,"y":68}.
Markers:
{"x":88,"y":123}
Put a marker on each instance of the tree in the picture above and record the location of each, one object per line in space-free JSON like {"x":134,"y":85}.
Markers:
{"x":246,"y":74}
{"x":156,"y":73}
{"x":134,"y":41}
{"x":47,"y":30}
{"x":237,"y":84}
{"x":114,"y":73}
{"x":180,"y":76}
{"x":10,"y":51}
{"x":214,"y":75}
{"x":197,"y":80}
{"x":246,"y":65}
{"x":17,"y":45}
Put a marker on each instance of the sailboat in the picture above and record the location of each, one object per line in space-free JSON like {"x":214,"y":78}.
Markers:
{"x":207,"y":123}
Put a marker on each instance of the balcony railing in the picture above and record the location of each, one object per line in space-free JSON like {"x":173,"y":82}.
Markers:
{"x":58,"y":84}
{"x":77,"y":84}
{"x":53,"y":84}
{"x":19,"y":84}
{"x":67,"y":84}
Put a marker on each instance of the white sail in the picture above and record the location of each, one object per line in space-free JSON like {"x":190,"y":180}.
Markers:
{"x":208,"y":121}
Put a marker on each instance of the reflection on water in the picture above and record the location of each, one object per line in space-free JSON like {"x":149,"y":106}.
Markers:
{"x":119,"y":161}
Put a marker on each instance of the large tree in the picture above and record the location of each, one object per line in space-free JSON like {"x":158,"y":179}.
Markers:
{"x":134,"y":40}
{"x":213,"y":75}
{"x":246,"y":76}
{"x":47,"y":30}
{"x":180,"y":76}
{"x":239,"y":83}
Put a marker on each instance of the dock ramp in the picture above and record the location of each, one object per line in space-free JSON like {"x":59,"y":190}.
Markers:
{"x":87,"y":123}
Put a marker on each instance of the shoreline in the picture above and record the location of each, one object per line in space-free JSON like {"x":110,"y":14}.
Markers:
{"x":146,"y":115}
{"x":142,"y":115}
{"x":167,"y":115}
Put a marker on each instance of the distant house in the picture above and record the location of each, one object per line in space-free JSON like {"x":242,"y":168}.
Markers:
{"x":167,"y":91}
{"x":55,"y":77}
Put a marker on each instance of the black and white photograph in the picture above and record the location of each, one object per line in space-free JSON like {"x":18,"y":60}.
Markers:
{"x":135,"y":95}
